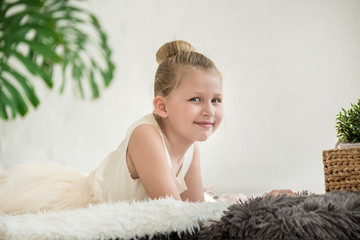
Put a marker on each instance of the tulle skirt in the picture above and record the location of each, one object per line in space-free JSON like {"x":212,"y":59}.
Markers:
{"x":43,"y":186}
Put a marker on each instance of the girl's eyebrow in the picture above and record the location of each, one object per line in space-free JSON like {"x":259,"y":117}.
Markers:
{"x":199,"y":93}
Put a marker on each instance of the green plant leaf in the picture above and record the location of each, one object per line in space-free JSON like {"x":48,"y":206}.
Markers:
{"x":16,"y":98}
{"x":25,"y":84}
{"x":4,"y":102}
{"x":94,"y":86}
{"x":33,"y":68}
{"x":348,"y":123}
{"x":44,"y":50}
{"x":77,"y":73}
{"x":41,"y":34}
{"x":33,"y":12}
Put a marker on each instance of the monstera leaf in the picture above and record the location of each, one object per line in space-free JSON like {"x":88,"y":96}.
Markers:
{"x":40,"y":37}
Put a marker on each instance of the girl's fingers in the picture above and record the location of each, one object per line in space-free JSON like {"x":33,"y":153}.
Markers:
{"x":287,"y":192}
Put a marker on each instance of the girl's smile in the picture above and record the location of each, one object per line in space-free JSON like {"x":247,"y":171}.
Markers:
{"x":205,"y":124}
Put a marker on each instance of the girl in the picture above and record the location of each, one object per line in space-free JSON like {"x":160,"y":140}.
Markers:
{"x":159,"y":156}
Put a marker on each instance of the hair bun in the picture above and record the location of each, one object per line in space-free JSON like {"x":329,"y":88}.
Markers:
{"x":173,"y":48}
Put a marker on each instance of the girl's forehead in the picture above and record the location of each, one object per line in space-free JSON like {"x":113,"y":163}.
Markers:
{"x":198,"y":73}
{"x":195,"y":81}
{"x":201,"y":79}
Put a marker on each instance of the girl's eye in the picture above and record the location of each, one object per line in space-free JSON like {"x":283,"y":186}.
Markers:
{"x":216,"y":100}
{"x":195,"y":99}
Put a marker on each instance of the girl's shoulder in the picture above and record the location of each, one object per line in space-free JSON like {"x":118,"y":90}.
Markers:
{"x":145,"y":134}
{"x":146,"y":122}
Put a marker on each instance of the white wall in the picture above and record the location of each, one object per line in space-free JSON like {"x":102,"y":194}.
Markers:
{"x":288,"y":68}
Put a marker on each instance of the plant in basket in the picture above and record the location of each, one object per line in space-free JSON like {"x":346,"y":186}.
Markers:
{"x":341,"y":166}
{"x":348,"y":126}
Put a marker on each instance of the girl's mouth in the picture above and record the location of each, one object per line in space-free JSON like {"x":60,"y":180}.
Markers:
{"x":205,"y":124}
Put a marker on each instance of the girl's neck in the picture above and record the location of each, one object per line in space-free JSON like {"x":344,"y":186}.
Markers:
{"x":177,"y":146}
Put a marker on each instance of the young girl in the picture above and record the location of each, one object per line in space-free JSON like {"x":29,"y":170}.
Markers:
{"x":159,"y":156}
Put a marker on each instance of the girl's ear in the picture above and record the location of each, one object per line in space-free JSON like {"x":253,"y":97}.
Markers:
{"x":160,"y":106}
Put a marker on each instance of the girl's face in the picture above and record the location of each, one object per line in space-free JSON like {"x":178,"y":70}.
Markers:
{"x":195,"y":108}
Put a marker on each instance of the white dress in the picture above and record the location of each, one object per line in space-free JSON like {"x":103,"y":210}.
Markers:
{"x":45,"y":186}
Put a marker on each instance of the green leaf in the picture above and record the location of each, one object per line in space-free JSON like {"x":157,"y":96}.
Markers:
{"x":25,"y":84}
{"x":16,"y":98}
{"x":6,"y":102}
{"x":70,"y":19}
{"x":94,"y":86}
{"x":64,"y":67}
{"x":34,"y":68}
{"x":35,"y":14}
{"x":77,"y":73}
{"x":45,"y":31}
{"x":44,"y":50}
{"x":3,"y":104}
{"x":66,"y":8}
{"x":348,"y":123}
{"x":18,"y":33}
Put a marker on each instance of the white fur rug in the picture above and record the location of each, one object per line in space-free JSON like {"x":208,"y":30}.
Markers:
{"x":122,"y":220}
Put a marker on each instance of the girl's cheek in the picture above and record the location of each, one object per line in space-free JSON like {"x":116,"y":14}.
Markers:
{"x":190,"y":110}
{"x":220,"y":113}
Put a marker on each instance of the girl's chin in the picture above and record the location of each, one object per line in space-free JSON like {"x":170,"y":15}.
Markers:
{"x":203,"y":138}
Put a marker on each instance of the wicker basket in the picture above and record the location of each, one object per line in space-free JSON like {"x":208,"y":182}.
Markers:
{"x":342,"y":169}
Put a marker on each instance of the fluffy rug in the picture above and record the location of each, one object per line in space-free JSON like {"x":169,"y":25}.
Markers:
{"x":120,"y":220}
{"x":330,"y":216}
{"x":306,"y":216}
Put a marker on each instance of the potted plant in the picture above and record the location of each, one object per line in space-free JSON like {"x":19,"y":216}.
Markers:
{"x":341,"y":166}
{"x":41,"y":37}
{"x":348,"y":126}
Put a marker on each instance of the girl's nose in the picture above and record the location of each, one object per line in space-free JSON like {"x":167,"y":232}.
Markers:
{"x":208,"y":110}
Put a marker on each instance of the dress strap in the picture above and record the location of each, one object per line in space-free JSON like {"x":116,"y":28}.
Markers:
{"x":166,"y":150}
{"x":187,"y":160}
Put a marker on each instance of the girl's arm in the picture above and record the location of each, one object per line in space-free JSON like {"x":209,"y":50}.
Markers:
{"x":195,"y":191}
{"x":148,"y":162}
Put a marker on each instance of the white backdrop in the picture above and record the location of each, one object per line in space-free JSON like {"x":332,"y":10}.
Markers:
{"x":288,"y":68}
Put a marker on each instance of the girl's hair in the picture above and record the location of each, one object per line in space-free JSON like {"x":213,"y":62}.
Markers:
{"x":174,"y":59}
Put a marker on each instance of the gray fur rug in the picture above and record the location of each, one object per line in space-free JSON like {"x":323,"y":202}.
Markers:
{"x":334,"y":215}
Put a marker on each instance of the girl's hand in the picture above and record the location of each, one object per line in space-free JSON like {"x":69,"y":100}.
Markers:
{"x":276,"y":193}
{"x":195,"y":190}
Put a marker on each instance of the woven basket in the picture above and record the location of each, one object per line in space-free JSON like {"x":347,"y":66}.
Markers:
{"x":342,"y":169}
